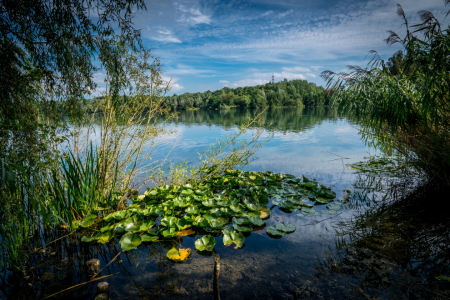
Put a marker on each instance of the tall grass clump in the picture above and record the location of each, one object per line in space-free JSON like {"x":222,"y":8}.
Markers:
{"x":409,"y":109}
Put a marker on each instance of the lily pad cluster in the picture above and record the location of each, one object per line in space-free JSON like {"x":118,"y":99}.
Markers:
{"x":231,"y":204}
{"x":379,"y":166}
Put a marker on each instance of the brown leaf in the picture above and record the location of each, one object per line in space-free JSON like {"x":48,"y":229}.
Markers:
{"x":185,"y":232}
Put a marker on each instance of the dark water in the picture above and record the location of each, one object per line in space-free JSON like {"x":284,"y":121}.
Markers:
{"x":370,"y":250}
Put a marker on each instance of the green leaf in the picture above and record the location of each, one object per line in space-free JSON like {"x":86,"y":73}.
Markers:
{"x":242,"y":228}
{"x":170,"y":232}
{"x":289,"y":228}
{"x":183,"y":224}
{"x":237,"y":208}
{"x":89,"y":239}
{"x":105,"y":236}
{"x":193,"y":210}
{"x":244,"y":220}
{"x":130,"y":241}
{"x":234,"y":237}
{"x":169,"y":221}
{"x":205,"y":243}
{"x":255,"y":220}
{"x":149,"y":238}
{"x":218,"y":223}
{"x":271,"y":230}
{"x":308,"y":212}
{"x":145,"y":226}
{"x":88,"y":221}
{"x":209,"y":203}
{"x":201,"y":222}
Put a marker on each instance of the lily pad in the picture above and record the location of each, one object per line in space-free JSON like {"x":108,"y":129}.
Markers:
{"x":244,"y":220}
{"x":257,"y":221}
{"x":193,"y":210}
{"x":178,"y":255}
{"x":88,"y":220}
{"x":271,"y":230}
{"x":218,"y":223}
{"x":205,"y":243}
{"x":169,"y":221}
{"x":149,"y":238}
{"x":289,"y":228}
{"x":170,"y":232}
{"x":308,"y":212}
{"x":130,"y":241}
{"x":242,"y":228}
{"x":237,"y":208}
{"x":233,"y":237}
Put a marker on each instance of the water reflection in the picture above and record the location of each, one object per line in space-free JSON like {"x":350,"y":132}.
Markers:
{"x":397,"y":245}
{"x":313,"y":142}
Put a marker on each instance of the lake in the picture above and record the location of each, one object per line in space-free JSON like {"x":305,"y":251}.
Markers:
{"x":314,"y":142}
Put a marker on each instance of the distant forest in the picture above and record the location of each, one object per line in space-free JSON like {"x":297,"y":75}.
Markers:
{"x":279,"y":94}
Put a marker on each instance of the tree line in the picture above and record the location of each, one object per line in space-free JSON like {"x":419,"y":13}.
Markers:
{"x":279,"y":94}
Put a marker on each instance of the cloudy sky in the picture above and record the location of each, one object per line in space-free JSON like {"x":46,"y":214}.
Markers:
{"x":205,"y":45}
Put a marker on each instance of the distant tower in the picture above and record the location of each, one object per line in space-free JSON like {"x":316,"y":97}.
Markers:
{"x":273,"y":78}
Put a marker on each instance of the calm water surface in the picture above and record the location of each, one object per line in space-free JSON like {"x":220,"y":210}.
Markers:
{"x":311,"y":142}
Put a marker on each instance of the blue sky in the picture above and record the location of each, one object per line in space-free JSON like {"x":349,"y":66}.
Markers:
{"x":206,"y":45}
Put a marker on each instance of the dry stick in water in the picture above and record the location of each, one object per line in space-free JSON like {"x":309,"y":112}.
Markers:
{"x":216,"y":277}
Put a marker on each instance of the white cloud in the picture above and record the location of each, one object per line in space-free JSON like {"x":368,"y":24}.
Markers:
{"x":281,"y":75}
{"x":193,"y":15}
{"x":269,"y":12}
{"x":164,"y":35}
{"x":311,"y":75}
{"x":174,"y":85}
{"x":225,"y":82}
{"x":316,"y":67}
{"x":296,"y":69}
{"x":249,"y":82}
{"x":282,"y":15}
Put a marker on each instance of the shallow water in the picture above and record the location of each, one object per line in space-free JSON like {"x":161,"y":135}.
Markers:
{"x":311,"y":141}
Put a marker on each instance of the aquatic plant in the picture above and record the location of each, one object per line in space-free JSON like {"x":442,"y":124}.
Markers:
{"x":407,"y":110}
{"x":231,"y":204}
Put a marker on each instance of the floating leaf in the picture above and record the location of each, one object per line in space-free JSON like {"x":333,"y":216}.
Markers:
{"x":170,"y":232}
{"x":89,"y":239}
{"x":178,"y":255}
{"x":201,"y":222}
{"x":145,"y":226}
{"x":257,"y":221}
{"x":271,"y":230}
{"x":169,"y":221}
{"x":183,"y":224}
{"x":237,"y":208}
{"x":244,"y":220}
{"x":209,"y":203}
{"x":307,"y":212}
{"x":193,"y":210}
{"x":205,"y":243}
{"x":285,"y":228}
{"x":88,"y":220}
{"x":242,"y":228}
{"x":218,"y":223}
{"x":130,"y":241}
{"x":185,"y":232}
{"x":149,"y":238}
{"x":234,"y":237}
{"x":105,"y":237}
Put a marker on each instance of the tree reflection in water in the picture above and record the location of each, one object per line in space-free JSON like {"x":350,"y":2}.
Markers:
{"x":397,"y":243}
{"x":61,"y":266}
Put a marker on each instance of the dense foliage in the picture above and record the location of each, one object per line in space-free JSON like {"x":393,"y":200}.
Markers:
{"x":405,"y":104}
{"x":279,"y":94}
{"x":231,"y":203}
